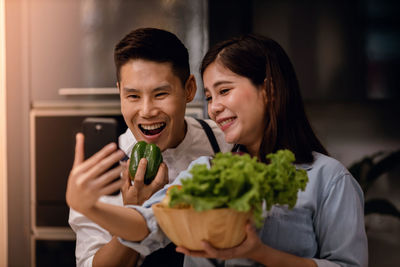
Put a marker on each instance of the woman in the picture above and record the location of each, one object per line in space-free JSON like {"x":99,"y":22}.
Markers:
{"x":253,"y":95}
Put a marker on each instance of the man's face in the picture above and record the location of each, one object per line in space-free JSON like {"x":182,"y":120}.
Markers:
{"x":153,"y":102}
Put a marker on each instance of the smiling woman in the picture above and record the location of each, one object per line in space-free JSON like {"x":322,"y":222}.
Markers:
{"x":3,"y":142}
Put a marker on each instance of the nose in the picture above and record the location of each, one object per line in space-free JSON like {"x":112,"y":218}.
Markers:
{"x":148,"y":109}
{"x":214,"y":108}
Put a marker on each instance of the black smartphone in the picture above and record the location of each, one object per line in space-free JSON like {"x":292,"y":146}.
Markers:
{"x":99,"y":132}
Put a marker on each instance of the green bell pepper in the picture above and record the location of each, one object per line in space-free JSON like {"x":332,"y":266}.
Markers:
{"x":152,"y":153}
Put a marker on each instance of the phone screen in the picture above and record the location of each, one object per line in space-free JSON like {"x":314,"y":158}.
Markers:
{"x":99,"y":132}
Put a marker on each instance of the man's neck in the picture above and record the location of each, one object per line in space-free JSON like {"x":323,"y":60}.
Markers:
{"x":182,"y":136}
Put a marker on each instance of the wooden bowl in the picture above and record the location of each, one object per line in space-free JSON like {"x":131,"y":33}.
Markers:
{"x":223,"y":228}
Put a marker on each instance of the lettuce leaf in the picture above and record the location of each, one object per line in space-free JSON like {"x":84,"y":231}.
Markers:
{"x":242,"y":183}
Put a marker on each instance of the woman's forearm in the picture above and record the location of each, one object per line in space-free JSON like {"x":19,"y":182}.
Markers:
{"x":124,"y":222}
{"x":272,"y":257}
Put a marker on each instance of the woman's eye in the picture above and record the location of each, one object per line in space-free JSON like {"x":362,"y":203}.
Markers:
{"x":224,"y":91}
{"x":208,"y":98}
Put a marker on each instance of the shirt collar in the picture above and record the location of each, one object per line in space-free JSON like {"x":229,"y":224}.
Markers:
{"x":304,"y":166}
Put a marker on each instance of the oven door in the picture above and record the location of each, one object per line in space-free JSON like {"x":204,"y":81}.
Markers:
{"x":52,"y":152}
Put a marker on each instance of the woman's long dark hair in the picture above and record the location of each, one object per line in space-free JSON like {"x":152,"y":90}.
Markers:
{"x":262,"y":59}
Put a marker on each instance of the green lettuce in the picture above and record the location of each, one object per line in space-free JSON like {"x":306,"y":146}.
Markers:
{"x":242,"y":183}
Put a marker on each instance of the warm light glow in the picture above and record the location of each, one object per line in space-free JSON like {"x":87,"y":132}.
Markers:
{"x":3,"y":141}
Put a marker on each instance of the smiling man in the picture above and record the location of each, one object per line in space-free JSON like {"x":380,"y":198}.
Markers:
{"x":155,"y":84}
{"x":153,"y":101}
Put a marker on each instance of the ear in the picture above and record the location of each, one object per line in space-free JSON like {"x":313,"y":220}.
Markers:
{"x":190,"y":88}
{"x":119,"y":89}
{"x":268,"y":90}
{"x":264,"y":92}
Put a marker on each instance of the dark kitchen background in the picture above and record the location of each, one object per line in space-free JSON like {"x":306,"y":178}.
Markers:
{"x":59,"y":69}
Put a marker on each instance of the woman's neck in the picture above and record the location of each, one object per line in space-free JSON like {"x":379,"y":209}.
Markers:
{"x":247,"y":149}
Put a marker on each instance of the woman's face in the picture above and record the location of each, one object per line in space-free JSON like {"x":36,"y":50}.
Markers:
{"x":236,"y":105}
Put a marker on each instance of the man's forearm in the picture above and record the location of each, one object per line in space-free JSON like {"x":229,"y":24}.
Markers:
{"x":115,"y":254}
{"x":124,"y":222}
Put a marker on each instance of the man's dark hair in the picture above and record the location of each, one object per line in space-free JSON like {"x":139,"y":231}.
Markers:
{"x":154,"y":45}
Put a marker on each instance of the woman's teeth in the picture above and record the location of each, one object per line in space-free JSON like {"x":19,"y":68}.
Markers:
{"x":222,"y":123}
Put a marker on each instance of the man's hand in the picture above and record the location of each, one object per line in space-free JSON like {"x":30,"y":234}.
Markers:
{"x":138,"y":193}
{"x":89,"y":179}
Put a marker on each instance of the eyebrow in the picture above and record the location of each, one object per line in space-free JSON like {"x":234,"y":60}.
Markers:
{"x":130,"y":90}
{"x":218,"y":83}
{"x":160,"y":88}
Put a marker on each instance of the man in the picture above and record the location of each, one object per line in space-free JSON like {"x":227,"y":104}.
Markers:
{"x":155,"y":85}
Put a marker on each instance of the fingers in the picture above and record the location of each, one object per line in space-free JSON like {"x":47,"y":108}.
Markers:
{"x":96,"y":158}
{"x":250,"y":230}
{"x":111,"y":187}
{"x":82,"y":177}
{"x":252,"y":239}
{"x":223,"y":254}
{"x":107,"y":177}
{"x":161,"y":178}
{"x":104,"y":163}
{"x":211,"y":251}
{"x":194,"y":253}
{"x":182,"y":250}
{"x":125,"y":175}
{"x":140,"y":172}
{"x":79,"y":149}
{"x":108,"y":182}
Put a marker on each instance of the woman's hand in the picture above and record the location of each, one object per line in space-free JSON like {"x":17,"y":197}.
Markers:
{"x":251,"y":245}
{"x":89,"y":179}
{"x":138,"y":192}
{"x":251,"y":248}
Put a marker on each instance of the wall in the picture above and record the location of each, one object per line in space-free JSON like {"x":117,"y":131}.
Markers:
{"x":3,"y":143}
{"x":352,"y":130}
{"x":327,"y":42}
{"x":324,"y":41}
{"x":86,"y":33}
{"x":17,"y":132}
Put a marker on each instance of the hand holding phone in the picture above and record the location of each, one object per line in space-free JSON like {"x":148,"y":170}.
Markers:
{"x":89,"y":179}
{"x":99,"y":132}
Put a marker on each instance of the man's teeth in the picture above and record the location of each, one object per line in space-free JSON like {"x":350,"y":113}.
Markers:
{"x":152,"y":126}
{"x":222,"y":123}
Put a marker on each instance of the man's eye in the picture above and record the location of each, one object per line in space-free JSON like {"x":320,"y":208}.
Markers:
{"x":159,"y":95}
{"x":208,"y":98}
{"x":133,"y":96}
